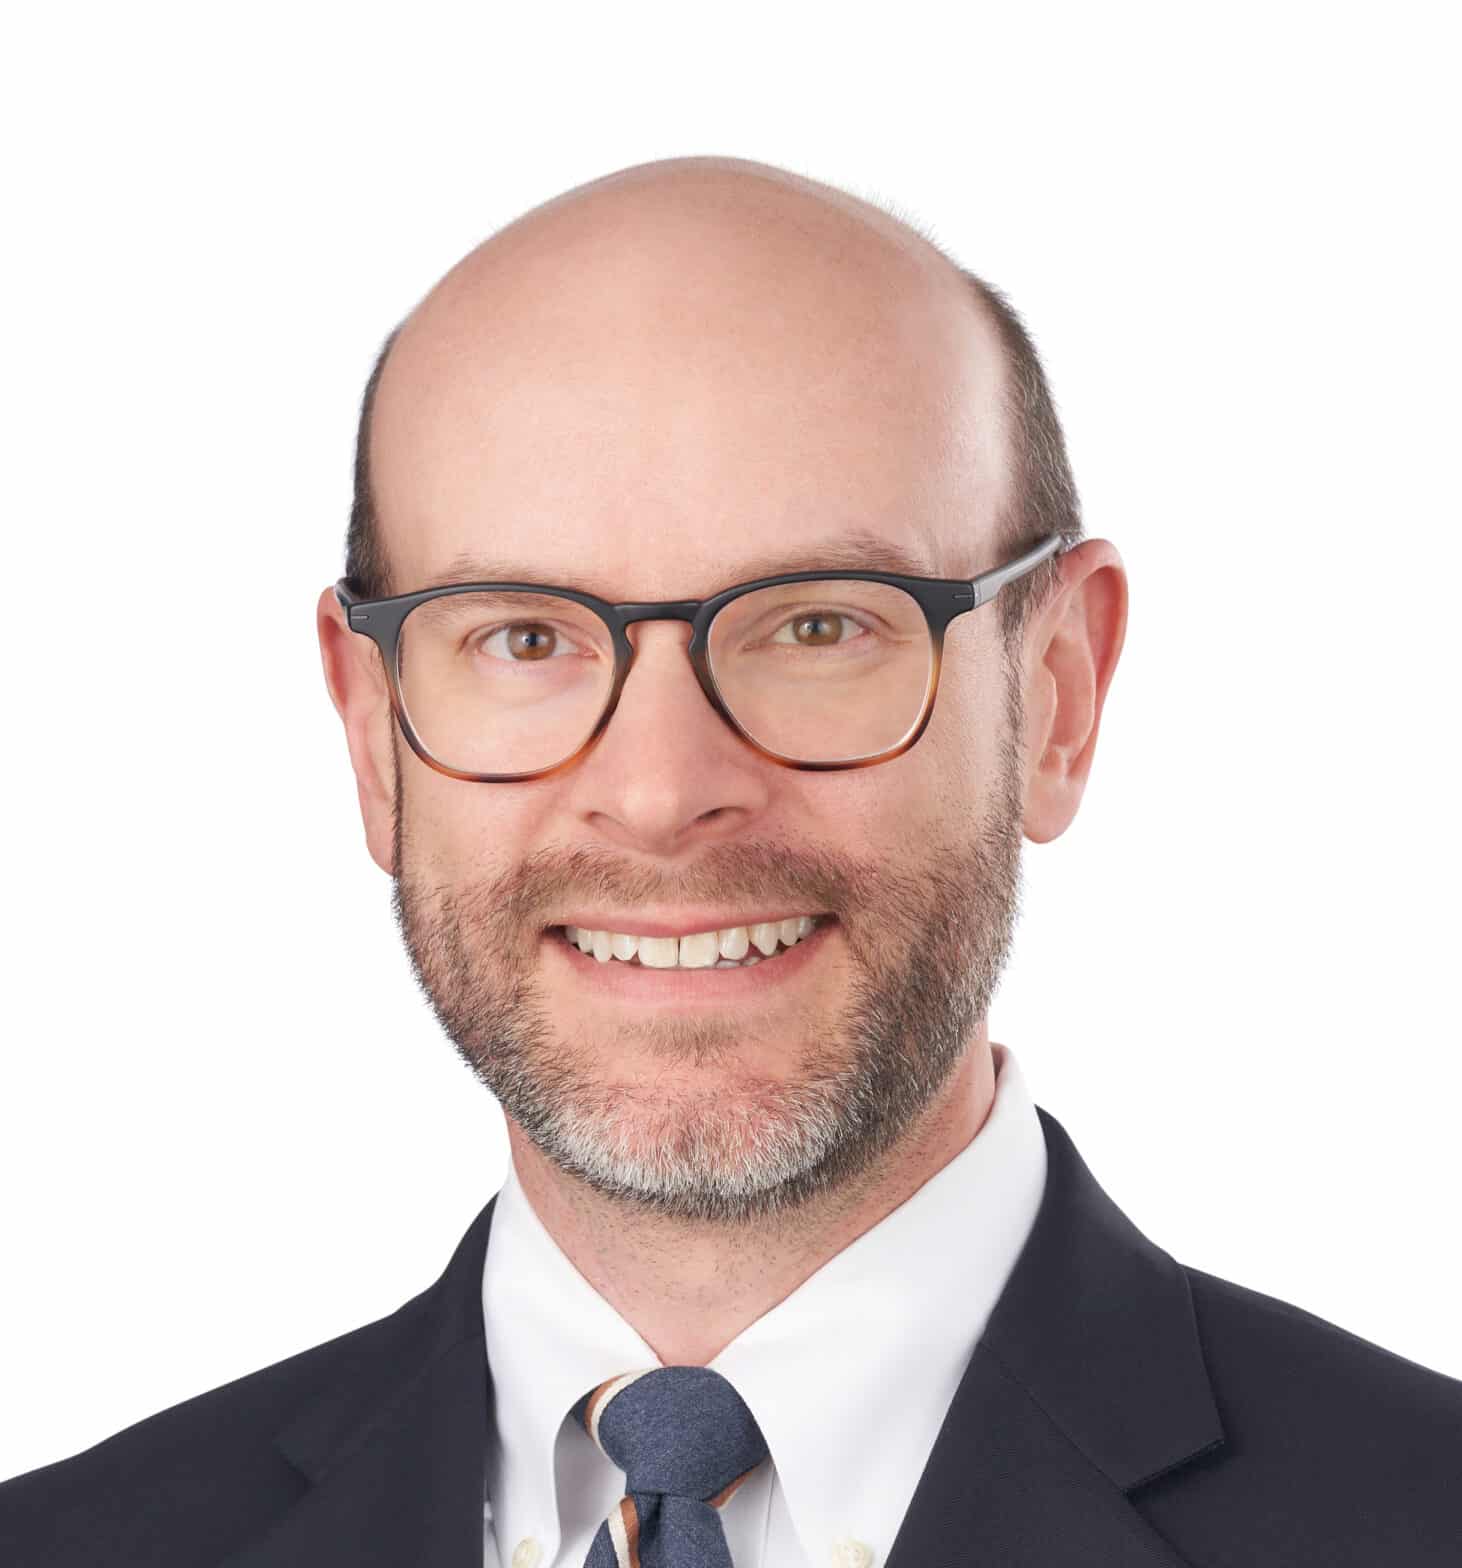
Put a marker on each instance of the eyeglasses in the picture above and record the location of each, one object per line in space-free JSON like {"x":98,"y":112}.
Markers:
{"x":500,"y":682}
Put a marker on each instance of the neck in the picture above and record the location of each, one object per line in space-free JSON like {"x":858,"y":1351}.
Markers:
{"x":689,"y":1289}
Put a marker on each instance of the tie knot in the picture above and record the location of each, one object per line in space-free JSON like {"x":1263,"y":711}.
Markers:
{"x":683,"y":1431}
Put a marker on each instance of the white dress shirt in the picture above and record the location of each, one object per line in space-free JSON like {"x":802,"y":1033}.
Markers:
{"x":849,"y":1377}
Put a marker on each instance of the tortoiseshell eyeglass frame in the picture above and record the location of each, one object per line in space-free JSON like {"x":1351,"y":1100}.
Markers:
{"x":940,"y":598}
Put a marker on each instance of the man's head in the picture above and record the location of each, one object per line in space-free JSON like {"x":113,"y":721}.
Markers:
{"x":634,"y":390}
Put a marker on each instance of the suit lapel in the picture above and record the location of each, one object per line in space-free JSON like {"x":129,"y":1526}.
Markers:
{"x":395,"y":1450}
{"x":1088,"y":1380}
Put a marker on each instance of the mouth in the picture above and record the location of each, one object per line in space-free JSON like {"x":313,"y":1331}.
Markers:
{"x":733,"y":963}
{"x":726,"y":947}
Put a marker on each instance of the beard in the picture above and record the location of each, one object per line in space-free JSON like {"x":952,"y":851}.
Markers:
{"x":926,"y":938}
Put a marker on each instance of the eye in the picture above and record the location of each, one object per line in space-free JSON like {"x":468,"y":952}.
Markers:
{"x":528,"y":642}
{"x":819,"y":629}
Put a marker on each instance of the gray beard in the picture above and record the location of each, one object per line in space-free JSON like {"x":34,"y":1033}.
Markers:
{"x":927,"y":946}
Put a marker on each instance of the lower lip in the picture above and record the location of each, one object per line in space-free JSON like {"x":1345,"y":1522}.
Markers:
{"x":687,"y":987}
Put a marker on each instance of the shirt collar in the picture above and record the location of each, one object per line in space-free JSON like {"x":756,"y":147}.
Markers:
{"x":888,"y":1325}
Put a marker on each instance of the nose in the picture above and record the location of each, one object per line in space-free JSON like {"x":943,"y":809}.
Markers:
{"x":668,"y":772}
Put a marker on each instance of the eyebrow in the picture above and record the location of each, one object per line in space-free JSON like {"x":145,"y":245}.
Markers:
{"x":858,"y":549}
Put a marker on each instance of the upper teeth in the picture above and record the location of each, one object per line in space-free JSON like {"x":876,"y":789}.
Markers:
{"x":700,"y":950}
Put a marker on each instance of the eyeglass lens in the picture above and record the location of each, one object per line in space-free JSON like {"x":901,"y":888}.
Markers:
{"x":831,"y":670}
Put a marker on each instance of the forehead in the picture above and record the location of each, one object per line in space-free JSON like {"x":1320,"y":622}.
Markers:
{"x":644,"y":425}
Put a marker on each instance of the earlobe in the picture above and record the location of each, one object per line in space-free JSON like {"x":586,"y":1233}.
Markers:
{"x":357,"y":687}
{"x":1075,"y":647}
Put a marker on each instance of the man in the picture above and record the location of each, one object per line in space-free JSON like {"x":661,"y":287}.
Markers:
{"x":713,"y":895}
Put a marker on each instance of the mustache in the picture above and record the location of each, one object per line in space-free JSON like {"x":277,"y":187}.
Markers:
{"x":545,"y":881}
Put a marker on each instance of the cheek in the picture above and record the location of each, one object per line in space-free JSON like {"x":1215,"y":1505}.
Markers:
{"x":960,"y":745}
{"x":466,"y":832}
{"x":889,"y":814}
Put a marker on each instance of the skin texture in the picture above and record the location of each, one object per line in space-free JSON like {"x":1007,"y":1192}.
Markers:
{"x":638,"y":387}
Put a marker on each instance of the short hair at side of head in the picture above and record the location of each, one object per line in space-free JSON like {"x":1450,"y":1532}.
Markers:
{"x":367,"y":567}
{"x":1043,"y":493}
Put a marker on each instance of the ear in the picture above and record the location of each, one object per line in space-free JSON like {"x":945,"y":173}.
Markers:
{"x":357,"y":684}
{"x":1071,"y":652}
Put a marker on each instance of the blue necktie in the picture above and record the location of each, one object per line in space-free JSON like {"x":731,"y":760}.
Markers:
{"x":685,"y":1440}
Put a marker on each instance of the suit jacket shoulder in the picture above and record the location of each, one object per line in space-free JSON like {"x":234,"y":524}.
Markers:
{"x":193,"y":1483}
{"x":1335,"y":1450}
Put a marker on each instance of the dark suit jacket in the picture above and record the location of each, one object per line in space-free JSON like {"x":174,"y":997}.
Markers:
{"x":1120,"y":1409}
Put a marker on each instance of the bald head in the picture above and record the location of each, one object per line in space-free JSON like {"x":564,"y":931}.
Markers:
{"x":671,"y":344}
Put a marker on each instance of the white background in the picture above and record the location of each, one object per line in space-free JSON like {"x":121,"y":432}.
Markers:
{"x":231,"y":1126}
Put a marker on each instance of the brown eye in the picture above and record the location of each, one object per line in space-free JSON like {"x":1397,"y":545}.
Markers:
{"x":527,"y":641}
{"x":819,"y":629}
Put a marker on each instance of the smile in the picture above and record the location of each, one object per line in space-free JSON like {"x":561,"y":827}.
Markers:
{"x":756,"y":979}
{"x":728,"y":948}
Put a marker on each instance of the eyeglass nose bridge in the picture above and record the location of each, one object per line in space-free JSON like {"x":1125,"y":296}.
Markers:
{"x":693,"y":613}
{"x":666,"y":610}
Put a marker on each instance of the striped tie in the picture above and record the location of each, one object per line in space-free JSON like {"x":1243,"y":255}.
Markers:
{"x":685,"y":1440}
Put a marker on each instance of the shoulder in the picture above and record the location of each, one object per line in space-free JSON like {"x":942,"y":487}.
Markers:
{"x":1281,"y":1365}
{"x":1335,"y":1447}
{"x":187,"y":1484}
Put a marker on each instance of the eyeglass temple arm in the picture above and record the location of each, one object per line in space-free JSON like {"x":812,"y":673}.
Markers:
{"x":988,"y":584}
